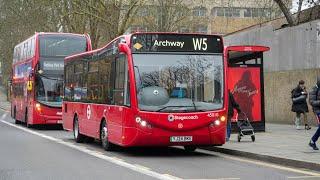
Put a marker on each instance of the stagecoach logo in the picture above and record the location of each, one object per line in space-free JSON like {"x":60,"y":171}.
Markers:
{"x":180,"y":125}
{"x":172,"y":117}
{"x":155,"y":92}
{"x":88,"y":111}
{"x":137,"y":46}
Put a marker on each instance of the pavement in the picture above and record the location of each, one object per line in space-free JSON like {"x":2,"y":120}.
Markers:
{"x":280,"y":144}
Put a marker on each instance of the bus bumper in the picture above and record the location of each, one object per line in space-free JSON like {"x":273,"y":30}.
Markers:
{"x":52,"y":118}
{"x":205,"y":136}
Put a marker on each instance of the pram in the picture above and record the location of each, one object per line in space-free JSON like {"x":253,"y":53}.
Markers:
{"x":244,"y":127}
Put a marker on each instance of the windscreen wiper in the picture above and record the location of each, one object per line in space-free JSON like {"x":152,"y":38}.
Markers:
{"x":159,"y":110}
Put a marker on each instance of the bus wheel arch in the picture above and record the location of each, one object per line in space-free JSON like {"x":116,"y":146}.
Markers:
{"x":79,"y":138}
{"x":106,"y":144}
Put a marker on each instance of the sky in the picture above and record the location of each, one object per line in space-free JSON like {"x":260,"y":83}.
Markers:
{"x":295,"y":5}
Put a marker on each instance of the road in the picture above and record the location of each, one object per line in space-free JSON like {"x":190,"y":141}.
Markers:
{"x":51,"y":153}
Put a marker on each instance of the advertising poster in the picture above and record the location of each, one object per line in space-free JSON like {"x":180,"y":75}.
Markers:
{"x":245,"y":85}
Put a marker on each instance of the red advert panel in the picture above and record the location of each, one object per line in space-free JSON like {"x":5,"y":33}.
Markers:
{"x":244,"y":83}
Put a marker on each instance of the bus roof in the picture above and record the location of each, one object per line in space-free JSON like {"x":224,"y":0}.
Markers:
{"x":247,"y":48}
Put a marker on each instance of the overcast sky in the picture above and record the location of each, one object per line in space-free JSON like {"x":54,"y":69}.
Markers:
{"x":295,"y":5}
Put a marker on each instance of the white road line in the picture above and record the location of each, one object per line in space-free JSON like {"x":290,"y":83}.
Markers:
{"x":304,"y":177}
{"x":260,"y":163}
{"x":216,"y":179}
{"x":139,"y":169}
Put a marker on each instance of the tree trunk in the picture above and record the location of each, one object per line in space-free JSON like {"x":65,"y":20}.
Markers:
{"x":285,"y":11}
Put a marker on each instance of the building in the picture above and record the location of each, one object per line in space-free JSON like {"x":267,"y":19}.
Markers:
{"x":203,"y":16}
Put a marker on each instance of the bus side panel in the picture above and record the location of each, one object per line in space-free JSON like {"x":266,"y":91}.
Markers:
{"x":68,"y":115}
{"x":114,"y":122}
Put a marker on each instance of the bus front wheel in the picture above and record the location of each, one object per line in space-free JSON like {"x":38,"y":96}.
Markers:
{"x":190,"y":148}
{"x":76,"y":133}
{"x":104,"y":137}
{"x":27,"y":120}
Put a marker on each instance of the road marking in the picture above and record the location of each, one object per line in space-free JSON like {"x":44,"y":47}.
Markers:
{"x":304,"y":177}
{"x":260,"y":163}
{"x":216,"y":179}
{"x":134,"y":167}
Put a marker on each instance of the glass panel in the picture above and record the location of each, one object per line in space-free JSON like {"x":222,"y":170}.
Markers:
{"x":55,"y":45}
{"x":49,"y":90}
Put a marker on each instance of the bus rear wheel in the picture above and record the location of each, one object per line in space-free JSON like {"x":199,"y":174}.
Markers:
{"x":26,"y":119}
{"x":190,"y":148}
{"x":78,"y":137}
{"x":14,"y":116}
{"x":104,"y":137}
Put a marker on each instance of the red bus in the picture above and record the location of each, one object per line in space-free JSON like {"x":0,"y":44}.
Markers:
{"x":148,"y":89}
{"x":37,"y":76}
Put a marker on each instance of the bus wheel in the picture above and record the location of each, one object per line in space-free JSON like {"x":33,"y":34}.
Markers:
{"x":26,"y":119}
{"x":104,"y":137}
{"x":15,"y":115}
{"x":190,"y":148}
{"x":76,"y":133}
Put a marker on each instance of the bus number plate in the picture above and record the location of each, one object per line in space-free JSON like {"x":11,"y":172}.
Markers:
{"x":180,"y":138}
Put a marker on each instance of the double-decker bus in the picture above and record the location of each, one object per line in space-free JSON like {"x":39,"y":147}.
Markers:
{"x":37,"y":76}
{"x":148,"y":89}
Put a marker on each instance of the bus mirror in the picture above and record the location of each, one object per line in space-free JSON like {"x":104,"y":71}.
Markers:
{"x":29,"y":85}
{"x":122,"y":47}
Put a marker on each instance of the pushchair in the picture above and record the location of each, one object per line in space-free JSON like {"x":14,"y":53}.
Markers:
{"x":244,"y":127}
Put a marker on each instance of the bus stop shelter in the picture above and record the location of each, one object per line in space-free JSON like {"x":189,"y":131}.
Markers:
{"x":246,"y":82}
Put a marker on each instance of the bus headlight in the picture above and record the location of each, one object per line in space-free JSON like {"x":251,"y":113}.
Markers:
{"x":142,"y":123}
{"x":38,"y":107}
{"x":217,"y":122}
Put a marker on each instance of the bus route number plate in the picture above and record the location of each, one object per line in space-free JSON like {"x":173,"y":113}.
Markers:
{"x":180,"y":138}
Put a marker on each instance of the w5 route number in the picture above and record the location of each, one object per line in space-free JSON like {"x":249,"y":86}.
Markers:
{"x":200,"y":44}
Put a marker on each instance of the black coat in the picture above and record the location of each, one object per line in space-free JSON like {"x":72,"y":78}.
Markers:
{"x":314,"y":99}
{"x":232,"y":105}
{"x":300,"y":106}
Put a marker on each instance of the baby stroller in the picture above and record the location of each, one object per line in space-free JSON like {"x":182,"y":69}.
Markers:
{"x":244,"y":127}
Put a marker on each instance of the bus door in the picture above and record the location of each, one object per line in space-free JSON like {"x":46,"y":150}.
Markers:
{"x":245,"y":81}
{"x":116,"y":112}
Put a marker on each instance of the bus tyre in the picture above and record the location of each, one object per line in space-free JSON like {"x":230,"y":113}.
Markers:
{"x":190,"y":148}
{"x":26,"y":119}
{"x":76,"y":133}
{"x":104,"y":137}
{"x":14,"y":116}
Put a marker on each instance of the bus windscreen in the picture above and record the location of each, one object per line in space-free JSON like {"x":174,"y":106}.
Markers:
{"x":61,"y":46}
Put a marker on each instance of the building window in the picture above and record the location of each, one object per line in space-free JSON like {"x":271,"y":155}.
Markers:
{"x":247,"y":12}
{"x":199,"y":11}
{"x":184,"y":30}
{"x":226,"y":12}
{"x":220,"y":12}
{"x":201,"y":29}
{"x":235,"y":12}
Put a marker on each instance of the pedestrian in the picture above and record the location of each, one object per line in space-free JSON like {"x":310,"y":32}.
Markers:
{"x":314,"y":100}
{"x":231,"y":105}
{"x":299,"y":104}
